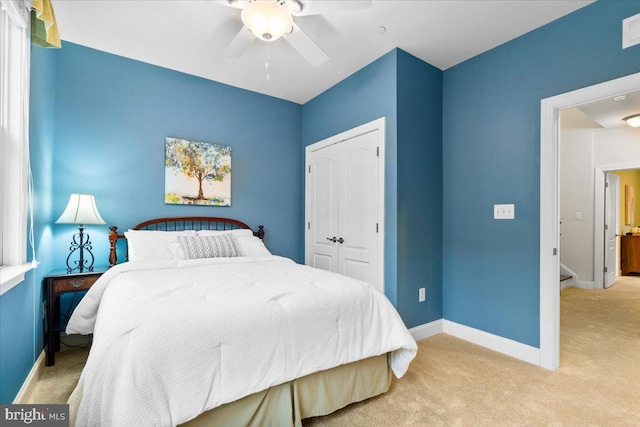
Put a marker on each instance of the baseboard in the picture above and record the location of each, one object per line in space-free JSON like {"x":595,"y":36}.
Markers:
{"x":426,"y":330}
{"x":506,"y":346}
{"x":583,"y":284}
{"x":29,"y":384}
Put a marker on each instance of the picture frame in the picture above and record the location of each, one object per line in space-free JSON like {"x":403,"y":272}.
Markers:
{"x":629,"y":202}
{"x":197,"y":173}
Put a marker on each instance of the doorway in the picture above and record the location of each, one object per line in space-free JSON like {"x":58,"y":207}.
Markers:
{"x":549,"y":205}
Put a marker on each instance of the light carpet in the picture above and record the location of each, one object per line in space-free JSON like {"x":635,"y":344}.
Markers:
{"x":455,"y":383}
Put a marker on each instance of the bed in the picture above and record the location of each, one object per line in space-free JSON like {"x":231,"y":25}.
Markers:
{"x":186,"y":335}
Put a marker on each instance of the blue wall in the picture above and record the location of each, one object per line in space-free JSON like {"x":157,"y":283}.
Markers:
{"x":491,"y":154}
{"x":112,"y":117}
{"x":419,"y":176}
{"x":41,"y":147}
{"x":16,"y":338}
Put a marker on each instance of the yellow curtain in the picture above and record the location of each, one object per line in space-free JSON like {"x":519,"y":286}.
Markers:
{"x":44,"y":30}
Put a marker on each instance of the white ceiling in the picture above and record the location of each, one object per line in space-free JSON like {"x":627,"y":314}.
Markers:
{"x":609,"y":112}
{"x":191,"y":36}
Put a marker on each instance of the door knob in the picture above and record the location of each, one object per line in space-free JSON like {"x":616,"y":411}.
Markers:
{"x":340,"y":240}
{"x":332,"y":240}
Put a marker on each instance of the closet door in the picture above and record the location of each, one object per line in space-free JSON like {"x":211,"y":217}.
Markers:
{"x":358,"y":208}
{"x":323,"y":197}
{"x":343,"y":207}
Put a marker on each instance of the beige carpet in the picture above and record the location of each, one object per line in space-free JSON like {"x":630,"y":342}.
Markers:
{"x":455,"y":383}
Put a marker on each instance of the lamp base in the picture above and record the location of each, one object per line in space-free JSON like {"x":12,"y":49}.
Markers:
{"x":81,"y":243}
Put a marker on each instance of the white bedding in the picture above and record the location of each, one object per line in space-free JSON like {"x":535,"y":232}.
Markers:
{"x":176,"y":338}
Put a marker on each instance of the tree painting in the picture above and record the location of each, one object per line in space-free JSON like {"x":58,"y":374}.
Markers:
{"x":201,"y":166}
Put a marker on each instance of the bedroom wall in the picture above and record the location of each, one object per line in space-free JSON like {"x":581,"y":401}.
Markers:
{"x":419,"y":189}
{"x":408,"y":92}
{"x":112,"y":116}
{"x":491,"y":132}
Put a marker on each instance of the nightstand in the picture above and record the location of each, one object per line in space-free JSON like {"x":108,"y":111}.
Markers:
{"x":55,"y":284}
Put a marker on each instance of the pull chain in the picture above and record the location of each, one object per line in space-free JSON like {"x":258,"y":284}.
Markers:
{"x":266,"y":64}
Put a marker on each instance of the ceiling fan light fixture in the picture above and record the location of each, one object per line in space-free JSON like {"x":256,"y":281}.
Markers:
{"x":268,"y":20}
{"x":633,"y":121}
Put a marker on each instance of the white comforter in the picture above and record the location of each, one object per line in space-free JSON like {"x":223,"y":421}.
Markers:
{"x":176,"y":338}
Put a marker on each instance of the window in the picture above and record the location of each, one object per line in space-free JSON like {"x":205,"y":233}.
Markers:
{"x":14,"y":140}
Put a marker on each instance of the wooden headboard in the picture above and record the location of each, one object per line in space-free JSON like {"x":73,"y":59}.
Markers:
{"x":179,"y":224}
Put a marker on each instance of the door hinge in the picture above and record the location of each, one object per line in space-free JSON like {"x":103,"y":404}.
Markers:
{"x":555,"y":251}
{"x":377,"y":151}
{"x":309,"y":168}
{"x":308,"y":225}
{"x":606,"y":184}
{"x":606,"y":226}
{"x":376,"y":227}
{"x":606,"y":269}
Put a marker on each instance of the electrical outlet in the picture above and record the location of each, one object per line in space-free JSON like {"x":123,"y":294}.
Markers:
{"x":421,"y":295}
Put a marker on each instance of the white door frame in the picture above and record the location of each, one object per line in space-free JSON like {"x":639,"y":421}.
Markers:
{"x":378,"y":124}
{"x":550,"y":205}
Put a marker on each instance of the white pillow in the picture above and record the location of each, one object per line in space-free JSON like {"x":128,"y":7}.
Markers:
{"x":250,"y":246}
{"x":238,"y":232}
{"x":151,"y":245}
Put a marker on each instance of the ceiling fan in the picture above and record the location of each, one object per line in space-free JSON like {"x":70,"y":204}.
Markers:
{"x":269,"y":20}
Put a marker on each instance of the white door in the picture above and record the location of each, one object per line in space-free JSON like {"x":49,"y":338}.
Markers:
{"x":611,"y":215}
{"x":344,"y":205}
{"x":358,"y":203}
{"x":322,"y":190}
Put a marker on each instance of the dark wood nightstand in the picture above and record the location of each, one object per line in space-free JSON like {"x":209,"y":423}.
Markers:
{"x":55,"y":284}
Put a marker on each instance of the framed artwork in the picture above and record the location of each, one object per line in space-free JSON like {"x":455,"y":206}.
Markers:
{"x":197,"y":173}
{"x":629,"y":202}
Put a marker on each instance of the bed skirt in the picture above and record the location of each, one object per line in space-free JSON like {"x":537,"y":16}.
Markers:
{"x":288,"y":404}
{"x":313,"y":395}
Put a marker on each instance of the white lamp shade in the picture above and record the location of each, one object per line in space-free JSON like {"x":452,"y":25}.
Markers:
{"x":633,"y":121}
{"x":81,"y":209}
{"x":267,"y":19}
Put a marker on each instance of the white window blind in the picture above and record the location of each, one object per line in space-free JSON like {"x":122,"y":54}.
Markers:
{"x":14,"y":140}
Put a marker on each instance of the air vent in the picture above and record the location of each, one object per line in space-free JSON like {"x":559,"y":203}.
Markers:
{"x":631,"y":31}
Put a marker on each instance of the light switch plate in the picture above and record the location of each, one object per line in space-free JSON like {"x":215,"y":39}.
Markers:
{"x":504,"y":211}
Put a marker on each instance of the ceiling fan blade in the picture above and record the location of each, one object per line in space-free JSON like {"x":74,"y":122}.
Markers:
{"x":238,"y":4}
{"x":306,"y":46}
{"x":318,"y":7}
{"x":240,"y":43}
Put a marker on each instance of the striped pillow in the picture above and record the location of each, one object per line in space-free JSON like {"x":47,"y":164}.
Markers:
{"x":195,"y":247}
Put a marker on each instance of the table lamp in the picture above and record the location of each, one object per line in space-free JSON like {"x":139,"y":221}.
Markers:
{"x":80,"y":210}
